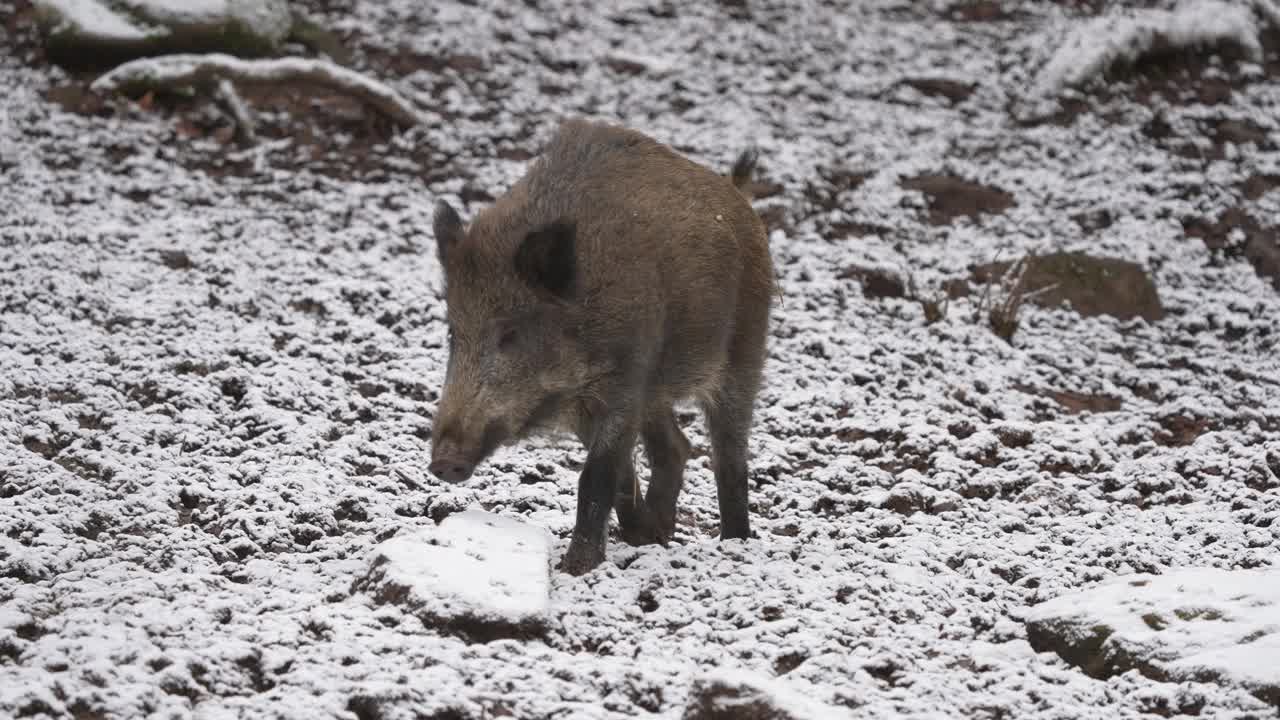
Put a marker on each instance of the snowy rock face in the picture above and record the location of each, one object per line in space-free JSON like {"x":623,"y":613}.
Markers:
{"x":477,"y":574}
{"x":1198,"y":624}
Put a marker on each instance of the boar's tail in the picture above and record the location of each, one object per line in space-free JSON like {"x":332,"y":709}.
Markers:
{"x":743,"y":168}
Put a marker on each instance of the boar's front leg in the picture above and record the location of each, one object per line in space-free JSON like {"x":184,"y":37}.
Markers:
{"x":611,"y":444}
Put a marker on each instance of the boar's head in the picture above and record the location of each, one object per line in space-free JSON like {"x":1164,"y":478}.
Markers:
{"x":515,"y":357}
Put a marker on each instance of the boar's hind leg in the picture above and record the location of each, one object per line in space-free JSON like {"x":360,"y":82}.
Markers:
{"x":610,"y":449}
{"x":728,"y":421}
{"x":728,"y":410}
{"x":635,"y":522}
{"x":667,"y":449}
{"x":653,"y":519}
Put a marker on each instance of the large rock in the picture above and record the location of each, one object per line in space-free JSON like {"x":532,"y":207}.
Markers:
{"x":741,"y":695}
{"x":1202,"y":624}
{"x":1092,"y":285}
{"x":105,"y":32}
{"x":1127,"y":36}
{"x":477,"y":574}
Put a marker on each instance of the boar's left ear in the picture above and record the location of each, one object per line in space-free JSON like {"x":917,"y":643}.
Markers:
{"x":448,"y":229}
{"x":545,"y":259}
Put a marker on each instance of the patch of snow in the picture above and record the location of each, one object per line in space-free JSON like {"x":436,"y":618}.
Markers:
{"x":474,"y":566}
{"x":269,"y":19}
{"x":1187,"y":624}
{"x":94,"y":17}
{"x":187,"y":10}
{"x":133,"y":20}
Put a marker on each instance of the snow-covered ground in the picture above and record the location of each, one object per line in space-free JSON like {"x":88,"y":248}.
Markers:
{"x":218,"y":368}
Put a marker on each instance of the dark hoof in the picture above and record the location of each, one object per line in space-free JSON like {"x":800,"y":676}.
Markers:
{"x":644,"y":533}
{"x":663,"y":524}
{"x":639,"y":526}
{"x":582,"y":556}
{"x":735,"y":533}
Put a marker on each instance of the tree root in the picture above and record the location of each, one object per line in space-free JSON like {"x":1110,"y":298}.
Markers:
{"x":206,"y":73}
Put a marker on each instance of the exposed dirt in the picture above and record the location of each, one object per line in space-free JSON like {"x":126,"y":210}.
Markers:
{"x":949,"y":198}
{"x":876,"y":282}
{"x":1237,"y":234}
{"x":1076,"y":402}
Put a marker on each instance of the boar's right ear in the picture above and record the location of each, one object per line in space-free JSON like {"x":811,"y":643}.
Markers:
{"x":448,"y":229}
{"x":545,"y":259}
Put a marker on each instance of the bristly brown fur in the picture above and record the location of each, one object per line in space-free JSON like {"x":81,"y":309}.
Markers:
{"x":616,"y":278}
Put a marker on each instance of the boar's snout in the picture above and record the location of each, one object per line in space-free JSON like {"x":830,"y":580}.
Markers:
{"x":449,"y":460}
{"x":451,"y":470}
{"x":460,"y":446}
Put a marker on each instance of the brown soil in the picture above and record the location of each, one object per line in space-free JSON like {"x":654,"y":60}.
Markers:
{"x":952,"y":197}
{"x":1235,"y":234}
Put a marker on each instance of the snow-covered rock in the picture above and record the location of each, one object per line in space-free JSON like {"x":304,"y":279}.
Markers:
{"x":128,"y":28}
{"x":1097,"y":45}
{"x":476,"y":573}
{"x":739,"y":695}
{"x":1200,"y":624}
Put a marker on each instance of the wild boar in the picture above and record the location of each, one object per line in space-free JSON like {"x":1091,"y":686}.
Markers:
{"x":614,"y":279}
